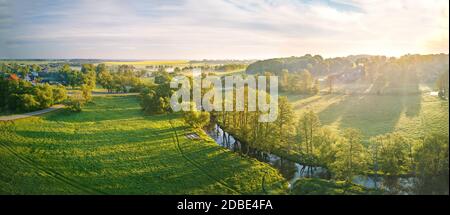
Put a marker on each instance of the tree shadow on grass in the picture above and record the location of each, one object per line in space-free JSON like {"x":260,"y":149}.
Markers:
{"x":372,"y":114}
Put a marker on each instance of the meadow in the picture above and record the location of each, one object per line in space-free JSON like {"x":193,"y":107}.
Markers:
{"x":111,"y":147}
{"x":411,"y":114}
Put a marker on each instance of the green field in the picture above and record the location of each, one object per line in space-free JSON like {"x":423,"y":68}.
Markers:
{"x":112,"y":148}
{"x":413,"y":114}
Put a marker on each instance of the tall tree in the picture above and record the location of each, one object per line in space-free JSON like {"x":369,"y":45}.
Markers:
{"x":284,"y":122}
{"x":307,"y":127}
{"x":350,"y":155}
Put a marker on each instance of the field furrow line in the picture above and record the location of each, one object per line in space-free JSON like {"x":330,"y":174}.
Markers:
{"x":52,"y":173}
{"x":198,"y":166}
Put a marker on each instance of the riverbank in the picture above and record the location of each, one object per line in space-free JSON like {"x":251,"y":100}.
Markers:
{"x":293,"y":170}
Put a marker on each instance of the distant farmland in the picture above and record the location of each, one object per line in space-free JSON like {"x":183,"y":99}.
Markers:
{"x":152,"y":63}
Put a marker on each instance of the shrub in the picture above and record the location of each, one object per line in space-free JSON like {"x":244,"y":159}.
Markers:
{"x":75,"y":103}
{"x":28,"y":102}
{"x":197,"y":119}
{"x":44,"y":95}
{"x":59,"y":94}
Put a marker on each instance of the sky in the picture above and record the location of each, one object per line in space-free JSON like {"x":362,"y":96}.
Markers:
{"x":220,"y":29}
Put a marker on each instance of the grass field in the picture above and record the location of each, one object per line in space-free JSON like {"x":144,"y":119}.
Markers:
{"x":112,"y":148}
{"x":414,"y":115}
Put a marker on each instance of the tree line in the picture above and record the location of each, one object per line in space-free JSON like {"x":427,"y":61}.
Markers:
{"x":345,"y":153}
{"x":17,"y":95}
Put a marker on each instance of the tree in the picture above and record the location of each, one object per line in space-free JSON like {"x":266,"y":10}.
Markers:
{"x":105,"y":79}
{"x":432,"y":164}
{"x":75,"y":103}
{"x":306,"y":82}
{"x":44,"y":95}
{"x":284,"y":83}
{"x":330,"y":80}
{"x":86,"y":92}
{"x":59,"y":94}
{"x":325,"y":146}
{"x":28,"y":102}
{"x":88,"y":75}
{"x":350,"y":155}
{"x":74,"y":78}
{"x":197,"y":119}
{"x":284,"y":120}
{"x":442,"y":85}
{"x":154,"y":102}
{"x":307,"y":127}
{"x":393,"y":153}
{"x":316,"y":87}
{"x":100,"y":68}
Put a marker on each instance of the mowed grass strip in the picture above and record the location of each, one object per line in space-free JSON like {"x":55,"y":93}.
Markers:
{"x":113,"y":148}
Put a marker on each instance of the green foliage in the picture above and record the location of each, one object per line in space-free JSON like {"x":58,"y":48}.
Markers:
{"x":153,"y":103}
{"x":105,"y":79}
{"x":19,"y":95}
{"x":315,"y":186}
{"x":308,"y":127}
{"x":195,"y":118}
{"x":230,"y":67}
{"x":299,"y":83}
{"x":86,"y":92}
{"x":59,"y":94}
{"x":75,"y":103}
{"x":156,"y":99}
{"x":284,"y":123}
{"x":27,"y":102}
{"x":442,"y":84}
{"x":392,"y":154}
{"x":432,"y":166}
{"x":88,"y":75}
{"x":350,"y":156}
{"x":44,"y":95}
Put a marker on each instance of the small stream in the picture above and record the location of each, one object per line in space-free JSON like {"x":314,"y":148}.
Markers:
{"x":293,"y":170}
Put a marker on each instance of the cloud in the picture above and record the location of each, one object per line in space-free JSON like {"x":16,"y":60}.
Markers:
{"x":194,"y":29}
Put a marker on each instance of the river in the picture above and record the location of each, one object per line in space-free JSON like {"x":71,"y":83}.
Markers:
{"x":293,"y":170}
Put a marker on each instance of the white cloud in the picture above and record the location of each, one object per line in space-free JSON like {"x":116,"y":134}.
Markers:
{"x":194,"y":29}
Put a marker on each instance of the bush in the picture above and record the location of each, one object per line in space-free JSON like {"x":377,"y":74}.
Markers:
{"x":86,"y":92}
{"x":197,"y":119}
{"x":75,"y":103}
{"x":44,"y":95}
{"x":27,"y":102}
{"x":153,"y":103}
{"x":59,"y":94}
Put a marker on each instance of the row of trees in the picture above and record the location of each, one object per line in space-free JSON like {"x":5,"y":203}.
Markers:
{"x":386,"y":74}
{"x":124,"y":80}
{"x":346,"y":153}
{"x":299,"y":83}
{"x":229,"y":67}
{"x":17,"y":95}
{"x":21,"y":70}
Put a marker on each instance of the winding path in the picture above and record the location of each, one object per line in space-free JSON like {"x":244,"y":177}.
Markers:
{"x":30,"y":114}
